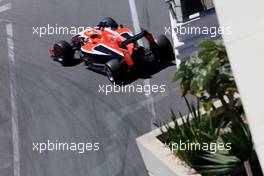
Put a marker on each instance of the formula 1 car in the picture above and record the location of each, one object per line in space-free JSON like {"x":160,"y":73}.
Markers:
{"x":113,"y":49}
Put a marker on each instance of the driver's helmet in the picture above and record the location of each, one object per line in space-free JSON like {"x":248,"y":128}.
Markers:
{"x":108,"y":22}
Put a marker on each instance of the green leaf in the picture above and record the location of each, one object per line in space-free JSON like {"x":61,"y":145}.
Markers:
{"x":177,"y":76}
{"x":207,"y":44}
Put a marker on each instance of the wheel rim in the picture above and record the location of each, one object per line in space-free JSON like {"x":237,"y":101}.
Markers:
{"x":109,"y":74}
{"x":59,"y":54}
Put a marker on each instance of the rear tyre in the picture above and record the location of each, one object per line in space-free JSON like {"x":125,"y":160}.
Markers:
{"x":113,"y":71}
{"x":108,"y":22}
{"x":63,"y":52}
{"x":164,"y":49}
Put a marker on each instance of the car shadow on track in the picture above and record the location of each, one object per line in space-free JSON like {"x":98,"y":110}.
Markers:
{"x":144,"y":72}
{"x":73,"y":63}
{"x":147,"y":71}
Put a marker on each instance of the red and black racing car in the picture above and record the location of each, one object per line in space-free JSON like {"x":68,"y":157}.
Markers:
{"x":113,"y":49}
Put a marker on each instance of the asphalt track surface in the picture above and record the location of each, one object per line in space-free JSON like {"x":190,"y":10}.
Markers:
{"x":63,"y":103}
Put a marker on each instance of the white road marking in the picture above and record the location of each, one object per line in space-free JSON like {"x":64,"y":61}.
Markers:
{"x":5,"y":7}
{"x":135,"y":19}
{"x":175,"y":41}
{"x":136,"y":24}
{"x":14,"y":114}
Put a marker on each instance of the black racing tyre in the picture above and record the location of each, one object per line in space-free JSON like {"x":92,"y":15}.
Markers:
{"x":165,"y":50}
{"x":108,"y":22}
{"x":64,"y":51}
{"x":113,"y":71}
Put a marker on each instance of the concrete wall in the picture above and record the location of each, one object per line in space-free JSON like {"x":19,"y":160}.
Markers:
{"x":245,"y":49}
{"x":158,"y":160}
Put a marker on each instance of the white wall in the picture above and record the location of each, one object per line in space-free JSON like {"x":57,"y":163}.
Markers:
{"x":245,"y":48}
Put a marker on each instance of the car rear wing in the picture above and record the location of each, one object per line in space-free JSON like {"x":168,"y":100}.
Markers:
{"x":137,"y":37}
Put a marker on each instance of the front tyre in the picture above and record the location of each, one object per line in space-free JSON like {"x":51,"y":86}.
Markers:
{"x":63,"y":52}
{"x":113,"y":71}
{"x":164,"y":49}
